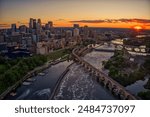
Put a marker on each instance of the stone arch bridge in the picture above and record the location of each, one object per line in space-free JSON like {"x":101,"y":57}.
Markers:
{"x":130,"y":48}
{"x":108,"y":82}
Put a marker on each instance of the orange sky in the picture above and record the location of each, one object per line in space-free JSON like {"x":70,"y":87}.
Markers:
{"x":62,"y":12}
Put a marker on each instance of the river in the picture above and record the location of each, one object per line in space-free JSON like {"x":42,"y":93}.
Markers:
{"x":77,"y":84}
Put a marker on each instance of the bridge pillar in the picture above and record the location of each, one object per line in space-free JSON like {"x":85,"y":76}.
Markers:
{"x":88,"y":68}
{"x":91,"y":71}
{"x":97,"y":78}
{"x":84,"y":65}
{"x":121,"y":94}
{"x":115,"y":90}
{"x":108,"y":84}
{"x":133,"y":49}
{"x":102,"y":79}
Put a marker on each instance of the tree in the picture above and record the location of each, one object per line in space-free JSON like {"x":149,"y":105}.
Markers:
{"x":9,"y":78}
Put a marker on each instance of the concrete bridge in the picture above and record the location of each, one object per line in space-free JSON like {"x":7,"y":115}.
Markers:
{"x":99,"y":76}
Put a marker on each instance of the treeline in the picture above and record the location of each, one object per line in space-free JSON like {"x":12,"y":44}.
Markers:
{"x":88,"y":42}
{"x":122,"y":70}
{"x":12,"y":71}
{"x":16,"y":71}
{"x":58,"y":54}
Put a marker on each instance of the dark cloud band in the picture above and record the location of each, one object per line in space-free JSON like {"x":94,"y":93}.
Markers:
{"x":113,"y":21}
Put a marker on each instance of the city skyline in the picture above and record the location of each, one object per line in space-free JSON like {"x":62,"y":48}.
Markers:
{"x":64,"y":13}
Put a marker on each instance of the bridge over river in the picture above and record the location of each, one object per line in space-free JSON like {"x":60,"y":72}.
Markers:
{"x":129,"y":48}
{"x":108,"y":82}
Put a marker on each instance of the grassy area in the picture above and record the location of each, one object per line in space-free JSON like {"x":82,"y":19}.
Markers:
{"x":12,"y":71}
{"x":58,"y":54}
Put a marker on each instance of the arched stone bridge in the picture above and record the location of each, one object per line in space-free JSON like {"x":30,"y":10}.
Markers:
{"x":108,"y":82}
{"x":137,"y":49}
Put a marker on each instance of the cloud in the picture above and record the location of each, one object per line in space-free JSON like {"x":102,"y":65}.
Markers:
{"x":113,"y":21}
{"x":60,"y":20}
{"x":88,"y":21}
{"x":135,"y":20}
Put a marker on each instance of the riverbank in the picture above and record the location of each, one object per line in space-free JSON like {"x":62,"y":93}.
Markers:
{"x":146,"y":94}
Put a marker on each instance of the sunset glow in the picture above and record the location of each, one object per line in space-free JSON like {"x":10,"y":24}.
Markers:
{"x":64,"y":13}
{"x":137,"y":27}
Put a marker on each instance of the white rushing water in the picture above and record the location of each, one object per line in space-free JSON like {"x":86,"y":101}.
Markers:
{"x":78,"y":84}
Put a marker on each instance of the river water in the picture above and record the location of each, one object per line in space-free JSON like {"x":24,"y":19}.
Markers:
{"x":138,"y":86}
{"x":77,"y":84}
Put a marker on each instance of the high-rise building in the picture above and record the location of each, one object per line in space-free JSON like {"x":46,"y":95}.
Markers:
{"x":31,"y":23}
{"x":68,"y":33}
{"x":39,"y":24}
{"x":86,"y":32}
{"x":13,"y":27}
{"x":2,"y":38}
{"x":76,"y":32}
{"x":75,"y":25}
{"x":46,"y":26}
{"x":23,"y":29}
{"x":50,"y":24}
{"x":34,"y":23}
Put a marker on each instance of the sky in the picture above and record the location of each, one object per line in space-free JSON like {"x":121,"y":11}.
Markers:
{"x":94,"y":13}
